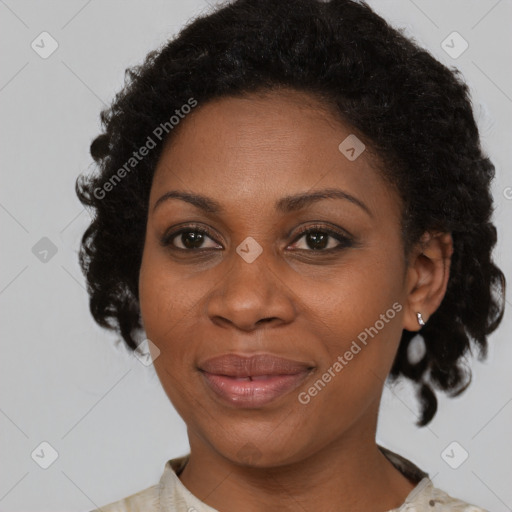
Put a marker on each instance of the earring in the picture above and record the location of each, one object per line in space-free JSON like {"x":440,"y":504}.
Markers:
{"x":420,"y":319}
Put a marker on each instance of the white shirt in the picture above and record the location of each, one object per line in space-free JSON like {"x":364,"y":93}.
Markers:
{"x":171,"y":495}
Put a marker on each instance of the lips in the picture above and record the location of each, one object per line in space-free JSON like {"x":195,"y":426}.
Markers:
{"x":252,"y":382}
{"x":233,"y":365}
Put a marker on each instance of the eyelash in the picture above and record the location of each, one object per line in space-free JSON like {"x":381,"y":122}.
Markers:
{"x":344,"y":240}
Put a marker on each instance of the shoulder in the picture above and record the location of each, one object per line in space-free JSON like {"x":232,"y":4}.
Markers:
{"x":427,"y":498}
{"x":440,"y":500}
{"x":150,"y":499}
{"x":146,"y":500}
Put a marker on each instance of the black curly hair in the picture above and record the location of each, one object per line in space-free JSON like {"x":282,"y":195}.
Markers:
{"x":414,"y":113}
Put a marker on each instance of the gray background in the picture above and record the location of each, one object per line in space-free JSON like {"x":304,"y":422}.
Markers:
{"x":69,"y":383}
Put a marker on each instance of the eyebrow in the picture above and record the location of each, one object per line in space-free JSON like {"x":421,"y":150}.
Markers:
{"x":284,"y":205}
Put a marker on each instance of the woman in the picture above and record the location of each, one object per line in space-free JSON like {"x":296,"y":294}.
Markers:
{"x":292,"y":206}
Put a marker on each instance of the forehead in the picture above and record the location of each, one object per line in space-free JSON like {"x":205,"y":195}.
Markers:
{"x":261,"y":147}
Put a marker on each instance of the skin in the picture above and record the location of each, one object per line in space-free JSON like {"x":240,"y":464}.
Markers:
{"x":292,"y":301}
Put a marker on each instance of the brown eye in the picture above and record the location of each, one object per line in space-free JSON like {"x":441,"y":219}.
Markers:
{"x":190,"y":239}
{"x":322,"y":239}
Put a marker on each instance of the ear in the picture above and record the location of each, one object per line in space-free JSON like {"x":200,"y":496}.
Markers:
{"x":427,"y":277}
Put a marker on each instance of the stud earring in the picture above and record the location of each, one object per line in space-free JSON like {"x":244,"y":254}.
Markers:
{"x":420,"y":319}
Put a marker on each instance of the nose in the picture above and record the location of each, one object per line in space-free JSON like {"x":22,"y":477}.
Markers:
{"x":249,"y":295}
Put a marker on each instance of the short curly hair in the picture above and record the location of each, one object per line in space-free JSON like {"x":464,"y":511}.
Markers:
{"x":414,"y":113}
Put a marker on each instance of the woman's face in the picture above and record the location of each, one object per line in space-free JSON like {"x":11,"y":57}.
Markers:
{"x":332,"y":301}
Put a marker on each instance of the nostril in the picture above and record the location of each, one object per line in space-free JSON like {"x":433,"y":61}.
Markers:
{"x":265,"y":320}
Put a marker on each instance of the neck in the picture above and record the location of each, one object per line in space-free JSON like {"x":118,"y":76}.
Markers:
{"x":350,"y":473}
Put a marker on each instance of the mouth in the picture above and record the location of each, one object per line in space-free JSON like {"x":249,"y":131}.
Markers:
{"x":252,"y":382}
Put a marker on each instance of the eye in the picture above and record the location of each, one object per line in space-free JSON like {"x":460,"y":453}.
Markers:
{"x":189,"y":238}
{"x":316,"y":238}
{"x":323,"y":239}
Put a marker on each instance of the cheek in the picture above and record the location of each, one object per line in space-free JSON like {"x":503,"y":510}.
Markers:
{"x":358,"y":313}
{"x":354,"y":297}
{"x":354,"y":369}
{"x":169,"y":303}
{"x":167,"y":298}
{"x":160,"y":302}
{"x":164,"y":307}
